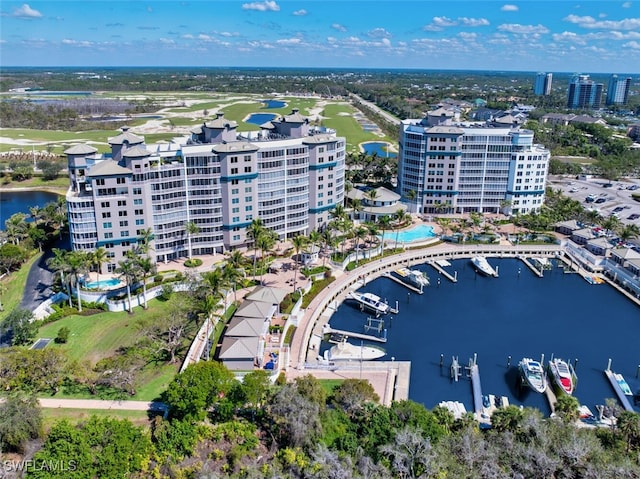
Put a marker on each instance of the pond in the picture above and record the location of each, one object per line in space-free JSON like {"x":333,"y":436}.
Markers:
{"x":12,"y":202}
{"x":379,"y":148}
{"x":260,"y":118}
{"x":273,"y":103}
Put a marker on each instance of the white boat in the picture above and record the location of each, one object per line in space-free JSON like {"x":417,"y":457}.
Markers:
{"x":370,"y":301}
{"x":413,"y":276}
{"x":562,"y":374}
{"x":623,"y":384}
{"x":345,"y":351}
{"x":481,"y":265}
{"x":533,"y":375}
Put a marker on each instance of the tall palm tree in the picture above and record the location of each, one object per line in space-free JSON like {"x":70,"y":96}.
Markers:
{"x":360,"y":233}
{"x":356,"y":206}
{"x":128,"y":270}
{"x":629,"y":231}
{"x":299,"y":242}
{"x":191,"y":228}
{"x":36,"y":214}
{"x":78,"y":263}
{"x":371,"y":195}
{"x":146,"y":268}
{"x":144,"y":240}
{"x":98,"y":258}
{"x":399,"y":217}
{"x":213,"y":283}
{"x":266,"y":241}
{"x":253,"y":231}
{"x":58,"y":263}
{"x":412,"y":195}
{"x":315,"y":238}
{"x":385,"y":224}
{"x":16,"y":228}
{"x":231,"y":276}
{"x":372,"y":232}
{"x":236,"y":259}
{"x":338,"y":212}
{"x":610,"y":224}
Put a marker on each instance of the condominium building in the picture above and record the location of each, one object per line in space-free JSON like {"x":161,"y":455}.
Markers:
{"x":451,"y":167}
{"x":542,"y":85}
{"x":289,"y":174}
{"x":618,"y":90}
{"x":584,"y":92}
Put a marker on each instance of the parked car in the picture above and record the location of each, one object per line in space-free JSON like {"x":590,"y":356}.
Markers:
{"x":633,"y":187}
{"x":618,"y":209}
{"x":634,"y":216}
{"x":601,"y":200}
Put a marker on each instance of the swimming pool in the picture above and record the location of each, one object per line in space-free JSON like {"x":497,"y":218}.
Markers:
{"x":104,"y":284}
{"x":420,"y":232}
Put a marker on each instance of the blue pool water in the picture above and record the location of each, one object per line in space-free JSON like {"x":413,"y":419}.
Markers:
{"x":378,"y":148}
{"x":273,"y":103}
{"x":104,"y":283}
{"x":420,"y":232}
{"x":515,"y":315}
{"x":260,"y":118}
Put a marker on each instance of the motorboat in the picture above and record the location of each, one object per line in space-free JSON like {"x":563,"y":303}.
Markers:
{"x":623,"y":384}
{"x":345,"y":351}
{"x":414,"y":276}
{"x":481,"y":265}
{"x":370,"y":301}
{"x":562,"y":374}
{"x":533,"y":374}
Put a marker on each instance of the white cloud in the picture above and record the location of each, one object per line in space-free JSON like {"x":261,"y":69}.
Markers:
{"x":338,"y":27}
{"x":300,"y":13}
{"x":523,"y":29}
{"x":590,"y":22}
{"x":229,"y":34}
{"x":634,"y":45}
{"x":77,"y":43}
{"x":569,"y":37}
{"x":468,"y":35}
{"x":386,"y":42}
{"x":205,"y":38}
{"x":626,"y":5}
{"x":509,"y":8}
{"x":187,"y":36}
{"x":25,"y":11}
{"x":440,"y":23}
{"x":166,"y":41}
{"x":289,"y":41}
{"x":379,"y":33}
{"x":266,"y":6}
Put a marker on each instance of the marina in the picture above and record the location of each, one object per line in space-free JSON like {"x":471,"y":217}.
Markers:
{"x":404,"y":282}
{"x":620,"y":386}
{"x":438,"y":324}
{"x":352,"y":334}
{"x":439,"y":267}
{"x":529,"y":264}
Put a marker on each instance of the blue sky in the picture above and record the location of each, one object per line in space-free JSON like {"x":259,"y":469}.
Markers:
{"x":531,"y":35}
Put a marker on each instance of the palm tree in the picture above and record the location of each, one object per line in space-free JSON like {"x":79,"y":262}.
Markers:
{"x":128,"y":270}
{"x":98,"y":258}
{"x":610,"y":224}
{"x":315,"y":238}
{"x":385,"y":224}
{"x":372,"y":194}
{"x":299,"y":242}
{"x":191,"y":228}
{"x":36,"y":214}
{"x":144,"y":240}
{"x":412,"y":195}
{"x":232,"y":275}
{"x":356,"y":207}
{"x":629,"y":231}
{"x":236,"y":259}
{"x":146,"y":267}
{"x":58,"y":263}
{"x":266,"y":241}
{"x":253,"y":231}
{"x":338,"y":212}
{"x":16,"y":228}
{"x":372,"y":232}
{"x":78,"y":263}
{"x":213,"y":282}
{"x":360,"y":233}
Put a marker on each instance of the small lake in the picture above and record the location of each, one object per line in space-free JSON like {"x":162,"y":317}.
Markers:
{"x":379,"y":148}
{"x":260,"y":118}
{"x":12,"y":202}
{"x":513,"y":316}
{"x":273,"y":103}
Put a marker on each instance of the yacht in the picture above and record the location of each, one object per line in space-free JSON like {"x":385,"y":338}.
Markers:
{"x":533,"y":375}
{"x":562,"y":374}
{"x":345,"y":351}
{"x":370,"y":301}
{"x":414,"y":276}
{"x":481,"y":265}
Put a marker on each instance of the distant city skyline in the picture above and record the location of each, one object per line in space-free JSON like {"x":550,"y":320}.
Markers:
{"x":551,"y":36}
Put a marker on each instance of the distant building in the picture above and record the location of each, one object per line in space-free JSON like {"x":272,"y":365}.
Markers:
{"x":542,"y":85}
{"x":584,"y":92}
{"x":470,"y":167}
{"x":618,"y":90}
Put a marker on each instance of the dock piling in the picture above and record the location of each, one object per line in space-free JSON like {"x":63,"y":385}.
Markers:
{"x":508,"y":361}
{"x":575,"y":364}
{"x":442,"y":361}
{"x":638,"y":372}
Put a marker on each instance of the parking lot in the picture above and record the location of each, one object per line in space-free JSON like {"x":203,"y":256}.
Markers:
{"x":614,"y":198}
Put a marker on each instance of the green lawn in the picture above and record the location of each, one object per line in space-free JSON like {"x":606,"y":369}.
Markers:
{"x":14,"y":284}
{"x":59,"y":185}
{"x":329,"y":384}
{"x":347,"y":126}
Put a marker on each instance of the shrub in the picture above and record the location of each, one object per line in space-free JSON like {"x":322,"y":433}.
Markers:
{"x":158,"y":278}
{"x":63,"y":335}
{"x":193,"y":263}
{"x":167,"y":291}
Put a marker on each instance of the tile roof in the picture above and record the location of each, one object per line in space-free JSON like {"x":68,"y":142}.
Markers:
{"x":108,"y":168}
{"x":80,"y":150}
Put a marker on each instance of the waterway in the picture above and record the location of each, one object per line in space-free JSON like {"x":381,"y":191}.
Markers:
{"x":515,"y":315}
{"x":12,"y":202}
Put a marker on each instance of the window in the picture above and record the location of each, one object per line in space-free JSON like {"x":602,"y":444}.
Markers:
{"x":124,"y":234}
{"x":247,"y":158}
{"x":106,"y":214}
{"x":235,"y":201}
{"x":122,"y":213}
{"x":247,"y":189}
{"x":100,"y":182}
{"x":121,"y":181}
{"x":234,"y":182}
{"x":234,"y":191}
{"x":107,"y":225}
{"x":248,"y":208}
{"x":122,"y":203}
{"x":139,"y":212}
{"x":124,"y":223}
{"x":236,"y":237}
{"x":137,"y":191}
{"x":248,"y":218}
{"x":105,"y":204}
{"x":137,"y":202}
{"x":235,"y":210}
{"x":139,"y":222}
{"x":236,"y":219}
{"x":247,"y":169}
{"x":234,"y":159}
{"x":234,"y":171}
{"x":248,"y":199}
{"x":108,"y":235}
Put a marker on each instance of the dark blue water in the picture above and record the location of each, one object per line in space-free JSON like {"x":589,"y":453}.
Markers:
{"x":12,"y":202}
{"x":517,"y":315}
{"x":260,"y":118}
{"x":378,"y":148}
{"x":273,"y":103}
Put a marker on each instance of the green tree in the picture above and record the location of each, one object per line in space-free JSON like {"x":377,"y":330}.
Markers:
{"x":191,"y":228}
{"x":299,"y":242}
{"x":567,"y":407}
{"x":21,"y":323}
{"x":12,"y":257}
{"x":63,"y":335}
{"x":128,"y":270}
{"x":352,"y":394}
{"x":197,"y":388}
{"x":20,"y":421}
{"x":254,"y":230}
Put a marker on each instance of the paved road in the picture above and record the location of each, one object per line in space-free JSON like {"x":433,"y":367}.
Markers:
{"x":386,"y":115}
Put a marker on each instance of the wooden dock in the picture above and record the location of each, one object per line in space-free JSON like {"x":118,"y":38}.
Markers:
{"x":399,"y":281}
{"x":551,"y":397}
{"x":535,"y":270}
{"x":440,"y":270}
{"x":624,"y":399}
{"x":367,"y":337}
{"x":474,"y":373}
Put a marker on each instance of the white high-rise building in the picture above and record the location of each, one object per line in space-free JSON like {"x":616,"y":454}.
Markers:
{"x":289,"y":175}
{"x":460,"y":168}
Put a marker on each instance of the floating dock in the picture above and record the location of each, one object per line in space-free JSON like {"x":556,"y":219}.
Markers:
{"x":367,"y":337}
{"x":624,"y":399}
{"x":530,"y":265}
{"x":403,"y":283}
{"x":437,"y":266}
{"x":551,"y":397}
{"x":474,"y":374}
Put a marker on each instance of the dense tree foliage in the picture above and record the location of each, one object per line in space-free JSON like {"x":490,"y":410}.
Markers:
{"x":20,"y":422}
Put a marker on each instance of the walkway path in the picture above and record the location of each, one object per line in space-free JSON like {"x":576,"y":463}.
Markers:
{"x":101,"y":404}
